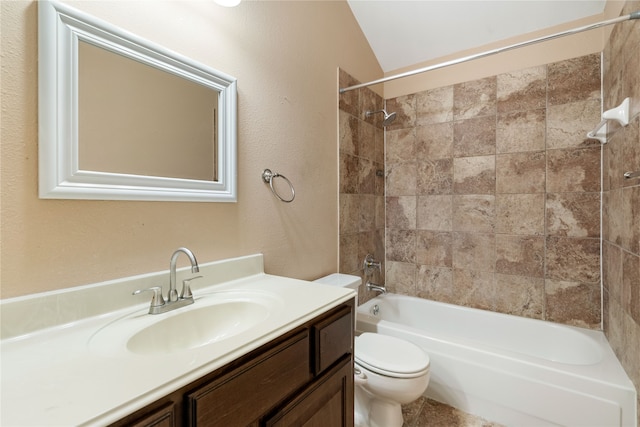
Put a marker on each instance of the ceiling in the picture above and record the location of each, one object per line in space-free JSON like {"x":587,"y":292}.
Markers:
{"x":408,"y":32}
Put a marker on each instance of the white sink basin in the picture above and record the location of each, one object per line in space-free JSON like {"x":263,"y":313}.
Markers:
{"x":210,"y":319}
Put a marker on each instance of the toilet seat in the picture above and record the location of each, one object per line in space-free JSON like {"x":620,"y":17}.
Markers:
{"x":390,"y":356}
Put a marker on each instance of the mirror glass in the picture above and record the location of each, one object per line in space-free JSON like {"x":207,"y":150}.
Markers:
{"x":124,"y":119}
{"x":137,"y":119}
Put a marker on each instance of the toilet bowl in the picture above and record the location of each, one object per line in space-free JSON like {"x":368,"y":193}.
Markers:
{"x":389,"y":371}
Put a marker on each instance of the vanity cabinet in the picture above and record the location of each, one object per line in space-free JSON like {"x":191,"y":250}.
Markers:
{"x":304,"y":377}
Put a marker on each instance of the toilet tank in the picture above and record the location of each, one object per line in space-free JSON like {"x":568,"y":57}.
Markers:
{"x":342,"y":280}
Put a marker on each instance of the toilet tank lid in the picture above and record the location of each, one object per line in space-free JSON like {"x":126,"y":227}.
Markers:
{"x":342,"y":280}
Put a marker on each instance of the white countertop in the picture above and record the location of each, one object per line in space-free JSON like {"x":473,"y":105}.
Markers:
{"x":53,"y":376}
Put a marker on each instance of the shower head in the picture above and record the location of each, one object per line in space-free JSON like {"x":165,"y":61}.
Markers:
{"x":388,"y":118}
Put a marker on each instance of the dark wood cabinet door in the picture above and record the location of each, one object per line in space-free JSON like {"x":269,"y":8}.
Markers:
{"x":244,"y":395}
{"x":327,"y":402}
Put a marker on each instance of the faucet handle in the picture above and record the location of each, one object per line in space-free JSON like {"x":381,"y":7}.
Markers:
{"x":156,"y":300}
{"x":186,"y":288}
{"x":370,"y":263}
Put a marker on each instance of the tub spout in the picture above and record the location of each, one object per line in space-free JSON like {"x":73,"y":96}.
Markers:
{"x":376,"y":288}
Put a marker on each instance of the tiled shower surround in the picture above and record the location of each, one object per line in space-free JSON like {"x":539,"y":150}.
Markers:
{"x":621,"y":199}
{"x":493,"y":193}
{"x":362,"y":206}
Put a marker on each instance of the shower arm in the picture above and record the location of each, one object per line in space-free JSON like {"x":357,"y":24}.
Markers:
{"x":634,"y":15}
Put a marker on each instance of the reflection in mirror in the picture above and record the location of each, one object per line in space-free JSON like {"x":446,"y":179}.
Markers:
{"x":121,"y":118}
{"x":140,"y":120}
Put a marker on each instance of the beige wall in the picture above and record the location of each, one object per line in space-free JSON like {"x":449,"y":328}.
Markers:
{"x":285,"y":56}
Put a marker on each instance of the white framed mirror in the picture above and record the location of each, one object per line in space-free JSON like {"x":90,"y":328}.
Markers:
{"x":121,"y":118}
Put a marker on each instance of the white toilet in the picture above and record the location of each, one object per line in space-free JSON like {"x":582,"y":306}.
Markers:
{"x":389,"y":372}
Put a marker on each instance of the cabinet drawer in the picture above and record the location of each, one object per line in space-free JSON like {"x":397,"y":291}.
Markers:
{"x":328,"y":401}
{"x":332,"y":338}
{"x":240,"y":397}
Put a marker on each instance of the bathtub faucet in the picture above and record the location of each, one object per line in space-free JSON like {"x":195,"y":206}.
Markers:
{"x":376,"y":288}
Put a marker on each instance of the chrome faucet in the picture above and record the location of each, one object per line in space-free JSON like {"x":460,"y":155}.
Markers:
{"x":377,"y":288}
{"x":158,"y":303}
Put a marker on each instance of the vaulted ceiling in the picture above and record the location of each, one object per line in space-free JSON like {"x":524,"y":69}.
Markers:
{"x":403,"y":33}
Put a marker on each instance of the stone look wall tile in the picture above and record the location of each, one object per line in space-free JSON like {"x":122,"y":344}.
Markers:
{"x":401,"y":212}
{"x":631,"y":285}
{"x":474,"y":288}
{"x":612,"y":270}
{"x":573,"y":170}
{"x":568,"y":124}
{"x":502,"y":185}
{"x":366,"y":177}
{"x":630,"y":233}
{"x":401,"y":145}
{"x":521,"y":172}
{"x":573,"y":260}
{"x":405,"y":109}
{"x":348,"y":102}
{"x":584,"y":83}
{"x":621,"y":252}
{"x":434,"y":141}
{"x":369,"y":101}
{"x":474,"y":251}
{"x":349,"y":213}
{"x":401,"y":246}
{"x":361,"y":197}
{"x":435,"y":283}
{"x":348,"y":134}
{"x":401,"y":277}
{"x":366,"y":140}
{"x":401,"y":179}
{"x":475,"y":98}
{"x":474,"y":213}
{"x":520,"y":214}
{"x":434,"y":177}
{"x":434,"y":213}
{"x":573,"y":303}
{"x":367,"y":208}
{"x":520,"y":295}
{"x":474,"y":175}
{"x":349,"y":167}
{"x":433,"y":248}
{"x":474,"y":137}
{"x":521,"y":131}
{"x":434,"y":106}
{"x":520,"y":255}
{"x":522,"y":90}
{"x":630,"y":151}
{"x":573,"y":214}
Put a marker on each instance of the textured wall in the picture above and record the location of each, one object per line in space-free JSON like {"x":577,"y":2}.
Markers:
{"x":285,"y":56}
{"x":621,"y":198}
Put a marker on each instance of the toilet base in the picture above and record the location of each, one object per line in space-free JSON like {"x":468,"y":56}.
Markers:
{"x":373,"y":412}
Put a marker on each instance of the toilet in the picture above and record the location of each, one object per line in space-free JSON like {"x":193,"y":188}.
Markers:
{"x":388,"y":372}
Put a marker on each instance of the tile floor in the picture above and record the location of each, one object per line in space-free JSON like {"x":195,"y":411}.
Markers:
{"x":426,"y":412}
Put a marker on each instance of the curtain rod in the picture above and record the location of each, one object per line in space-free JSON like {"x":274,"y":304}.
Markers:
{"x":634,"y":15}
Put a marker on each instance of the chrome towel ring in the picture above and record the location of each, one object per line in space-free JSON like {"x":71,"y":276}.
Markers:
{"x":268,"y":176}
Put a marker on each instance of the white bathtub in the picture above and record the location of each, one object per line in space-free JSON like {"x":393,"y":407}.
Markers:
{"x":509,"y":369}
